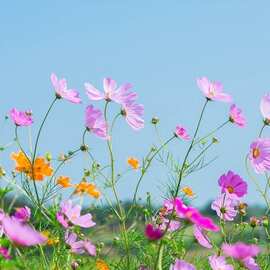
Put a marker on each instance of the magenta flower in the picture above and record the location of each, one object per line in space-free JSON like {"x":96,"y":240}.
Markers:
{"x":201,"y":237}
{"x":70,"y":214}
{"x":213,"y":90}
{"x":181,"y":132}
{"x":20,"y":118}
{"x":119,"y":95}
{"x":259,"y":155}
{"x":219,"y":263}
{"x":79,"y":247}
{"x":5,"y":253}
{"x":243,"y":253}
{"x":20,"y":233}
{"x":95,"y":122}
{"x":61,"y":90}
{"x":225,"y":206}
{"x":181,"y":265}
{"x":194,"y":216}
{"x":265,"y":107}
{"x":153,"y":233}
{"x":133,"y":113}
{"x":233,"y":184}
{"x":237,"y":117}
{"x":23,"y":214}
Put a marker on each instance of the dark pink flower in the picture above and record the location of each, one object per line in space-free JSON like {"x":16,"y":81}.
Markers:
{"x":153,"y":233}
{"x":259,"y":155}
{"x":219,"y":263}
{"x":20,"y":118}
{"x":213,"y":90}
{"x":5,"y":253}
{"x":233,"y":184}
{"x":61,"y":90}
{"x":201,"y":237}
{"x":23,"y":214}
{"x":70,"y":214}
{"x":181,"y":132}
{"x":95,"y":122}
{"x":237,"y":117}
{"x":181,"y":265}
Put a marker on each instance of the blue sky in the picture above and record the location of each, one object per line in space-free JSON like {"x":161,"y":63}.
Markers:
{"x":161,"y":47}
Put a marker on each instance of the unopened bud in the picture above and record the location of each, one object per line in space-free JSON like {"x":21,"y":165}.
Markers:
{"x":155,"y":121}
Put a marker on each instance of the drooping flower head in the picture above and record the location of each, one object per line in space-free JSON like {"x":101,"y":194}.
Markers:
{"x":95,"y":122}
{"x":153,"y":233}
{"x":213,"y":90}
{"x":21,"y":118}
{"x":71,"y":215}
{"x":23,"y":214}
{"x":265,"y":107}
{"x":259,"y":155}
{"x":87,"y":188}
{"x":201,"y":237}
{"x":237,"y":117}
{"x":181,"y":132}
{"x":219,"y":263}
{"x":181,"y":265}
{"x":119,"y":95}
{"x":233,"y":184}
{"x":64,"y":181}
{"x":62,"y":91}
{"x":225,"y":206}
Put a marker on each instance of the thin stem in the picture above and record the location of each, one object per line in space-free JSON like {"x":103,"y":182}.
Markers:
{"x":261,"y":130}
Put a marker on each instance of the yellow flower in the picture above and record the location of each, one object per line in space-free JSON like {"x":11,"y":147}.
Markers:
{"x":64,"y":181}
{"x":188,"y":191}
{"x":102,"y":265}
{"x":133,"y":163}
{"x":88,"y":188}
{"x":51,"y":240}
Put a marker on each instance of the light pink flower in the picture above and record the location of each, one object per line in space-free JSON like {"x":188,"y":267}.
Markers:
{"x":251,"y":264}
{"x":20,"y":118}
{"x":5,"y":253}
{"x":23,"y":214}
{"x":237,"y":116}
{"x":259,"y":155}
{"x":133,"y":113}
{"x":233,"y":184}
{"x":181,"y":132}
{"x":70,"y":214}
{"x":95,"y":122}
{"x":213,"y":90}
{"x":119,"y":95}
{"x":265,"y":106}
{"x":201,"y":237}
{"x":60,"y":87}
{"x":219,"y":263}
{"x":181,"y":265}
{"x":225,"y":206}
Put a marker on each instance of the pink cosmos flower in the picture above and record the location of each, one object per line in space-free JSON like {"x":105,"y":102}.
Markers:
{"x":213,"y":90}
{"x":233,"y":184}
{"x":153,"y":233}
{"x":23,"y":214}
{"x":95,"y":122}
{"x":119,"y":95}
{"x":20,"y":233}
{"x":219,"y":263}
{"x":60,"y":87}
{"x":79,"y":247}
{"x":265,"y":106}
{"x":243,"y":253}
{"x":181,"y":265}
{"x":5,"y":253}
{"x":194,"y":216}
{"x":237,"y":117}
{"x":225,"y":206}
{"x":201,"y":237}
{"x":181,"y":132}
{"x":20,"y":118}
{"x":133,"y":113}
{"x":259,"y":155}
{"x":70,"y":214}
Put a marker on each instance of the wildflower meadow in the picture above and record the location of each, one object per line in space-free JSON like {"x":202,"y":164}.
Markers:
{"x":51,"y":228}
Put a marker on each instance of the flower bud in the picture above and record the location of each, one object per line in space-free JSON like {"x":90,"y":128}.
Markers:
{"x":155,"y":121}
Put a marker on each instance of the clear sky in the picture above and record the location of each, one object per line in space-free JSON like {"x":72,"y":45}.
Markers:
{"x":161,"y":47}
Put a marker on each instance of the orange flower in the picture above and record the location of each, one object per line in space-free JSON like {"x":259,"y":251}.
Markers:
{"x":188,"y":191}
{"x":40,"y":168}
{"x":88,"y":188}
{"x":133,"y":163}
{"x":51,"y":240}
{"x":102,"y":265}
{"x":64,"y":181}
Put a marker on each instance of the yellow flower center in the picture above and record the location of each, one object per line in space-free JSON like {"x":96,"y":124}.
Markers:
{"x":256,"y":153}
{"x":230,"y":189}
